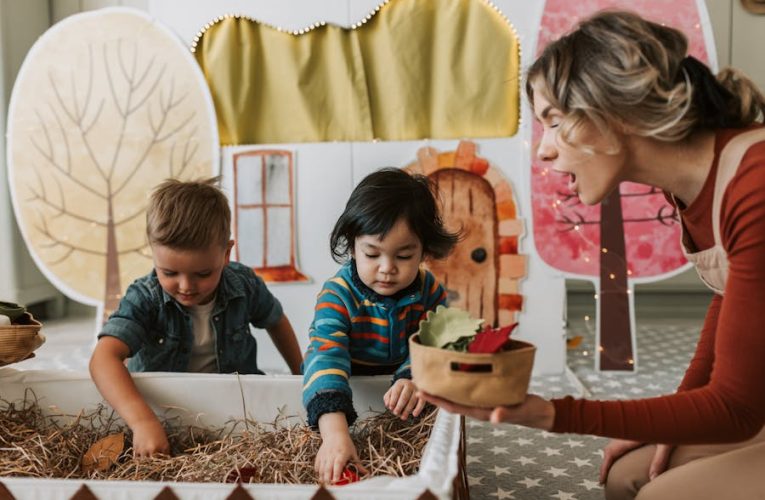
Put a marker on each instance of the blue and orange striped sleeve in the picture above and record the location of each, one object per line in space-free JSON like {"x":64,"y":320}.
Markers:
{"x":327,"y":365}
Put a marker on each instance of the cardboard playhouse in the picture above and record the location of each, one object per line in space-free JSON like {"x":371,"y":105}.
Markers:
{"x":212,"y":401}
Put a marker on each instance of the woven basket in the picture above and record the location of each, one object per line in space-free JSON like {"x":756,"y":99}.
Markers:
{"x":19,"y":340}
{"x":493,"y":380}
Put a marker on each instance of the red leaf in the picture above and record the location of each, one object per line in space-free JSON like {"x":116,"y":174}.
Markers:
{"x":348,"y":476}
{"x":491,"y":340}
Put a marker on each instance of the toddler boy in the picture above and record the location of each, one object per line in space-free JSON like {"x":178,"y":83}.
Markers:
{"x":192,"y":313}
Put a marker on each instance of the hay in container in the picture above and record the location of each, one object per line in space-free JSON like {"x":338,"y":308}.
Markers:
{"x":33,"y":444}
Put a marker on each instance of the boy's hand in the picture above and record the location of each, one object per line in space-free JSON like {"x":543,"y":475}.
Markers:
{"x":335,"y":452}
{"x":149,"y":439}
{"x":402,"y":399}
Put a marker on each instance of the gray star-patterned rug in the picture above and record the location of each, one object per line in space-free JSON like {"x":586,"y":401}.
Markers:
{"x":512,"y":462}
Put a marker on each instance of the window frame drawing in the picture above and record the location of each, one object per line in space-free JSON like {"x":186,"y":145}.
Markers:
{"x":271,"y":273}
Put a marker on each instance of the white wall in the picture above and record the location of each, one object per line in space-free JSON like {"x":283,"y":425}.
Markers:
{"x":20,"y":281}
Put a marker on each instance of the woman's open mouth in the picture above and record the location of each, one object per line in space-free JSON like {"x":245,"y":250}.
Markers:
{"x":572,"y":182}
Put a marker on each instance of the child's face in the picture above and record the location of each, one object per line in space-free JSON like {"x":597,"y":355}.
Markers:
{"x":592,"y":175}
{"x":389,"y":264}
{"x":190,"y":276}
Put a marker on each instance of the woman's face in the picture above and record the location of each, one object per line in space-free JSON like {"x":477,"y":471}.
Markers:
{"x":592,"y":173}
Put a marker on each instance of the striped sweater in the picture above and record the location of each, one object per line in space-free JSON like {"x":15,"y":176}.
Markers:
{"x":356,"y":331}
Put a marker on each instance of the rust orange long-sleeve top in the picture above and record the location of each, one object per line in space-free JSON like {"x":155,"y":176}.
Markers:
{"x":722,"y":395}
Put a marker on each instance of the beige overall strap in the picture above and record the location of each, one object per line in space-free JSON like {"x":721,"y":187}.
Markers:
{"x":730,"y":158}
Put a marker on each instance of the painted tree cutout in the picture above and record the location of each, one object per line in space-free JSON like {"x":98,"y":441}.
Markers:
{"x":483,"y":272}
{"x":106,"y":106}
{"x":633,"y":234}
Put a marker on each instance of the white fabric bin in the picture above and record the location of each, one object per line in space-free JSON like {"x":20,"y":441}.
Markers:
{"x":212,"y":400}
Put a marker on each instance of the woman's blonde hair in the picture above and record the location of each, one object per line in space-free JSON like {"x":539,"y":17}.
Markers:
{"x":620,"y":70}
{"x":188,"y":215}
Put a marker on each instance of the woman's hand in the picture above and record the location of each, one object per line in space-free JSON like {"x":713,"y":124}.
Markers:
{"x":660,"y":460}
{"x":615,"y":449}
{"x":533,"y":412}
{"x":149,"y":439}
{"x":402,"y":399}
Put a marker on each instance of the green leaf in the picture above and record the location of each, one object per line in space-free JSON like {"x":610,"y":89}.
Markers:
{"x":461,"y":344}
{"x":446,"y":325}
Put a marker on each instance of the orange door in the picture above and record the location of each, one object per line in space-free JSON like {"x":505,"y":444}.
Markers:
{"x":469,"y":274}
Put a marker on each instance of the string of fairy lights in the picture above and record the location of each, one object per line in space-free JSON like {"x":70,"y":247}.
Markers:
{"x":557,"y":207}
{"x":315,"y":25}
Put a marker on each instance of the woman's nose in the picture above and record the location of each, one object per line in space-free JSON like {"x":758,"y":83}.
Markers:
{"x":546,"y":151}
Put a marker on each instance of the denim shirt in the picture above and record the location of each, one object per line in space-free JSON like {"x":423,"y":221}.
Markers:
{"x":159,"y":332}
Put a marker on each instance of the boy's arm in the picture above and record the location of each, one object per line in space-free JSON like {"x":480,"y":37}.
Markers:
{"x":283,"y":337}
{"x":107,"y":368}
{"x":327,"y":365}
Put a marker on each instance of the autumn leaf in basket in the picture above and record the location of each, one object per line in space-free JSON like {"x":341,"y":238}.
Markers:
{"x":446,"y":325}
{"x":103,"y":454}
{"x":492,"y":340}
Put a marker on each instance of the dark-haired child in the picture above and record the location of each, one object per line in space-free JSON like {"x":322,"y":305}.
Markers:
{"x":365,"y":314}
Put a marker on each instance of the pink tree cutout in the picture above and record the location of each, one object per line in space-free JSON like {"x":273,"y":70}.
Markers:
{"x":633,"y":233}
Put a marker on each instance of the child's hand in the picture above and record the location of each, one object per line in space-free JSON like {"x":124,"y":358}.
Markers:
{"x":334,"y":453}
{"x":402,"y":399}
{"x":149,"y":439}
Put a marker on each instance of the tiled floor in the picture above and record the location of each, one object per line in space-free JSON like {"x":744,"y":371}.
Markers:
{"x":504,"y":462}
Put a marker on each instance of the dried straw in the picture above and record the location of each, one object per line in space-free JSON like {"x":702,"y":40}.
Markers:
{"x":35,"y":445}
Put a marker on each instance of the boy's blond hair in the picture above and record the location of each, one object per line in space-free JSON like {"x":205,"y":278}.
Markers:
{"x":188,"y":215}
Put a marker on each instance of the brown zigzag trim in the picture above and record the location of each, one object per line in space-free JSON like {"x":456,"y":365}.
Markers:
{"x":5,"y":493}
{"x":166,"y":494}
{"x":322,"y":494}
{"x":239,"y":493}
{"x":84,"y":493}
{"x":427,"y":495}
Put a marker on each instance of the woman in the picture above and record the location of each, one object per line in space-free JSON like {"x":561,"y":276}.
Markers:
{"x":619,"y":100}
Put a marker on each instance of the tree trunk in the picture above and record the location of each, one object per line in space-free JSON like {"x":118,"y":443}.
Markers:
{"x":615,"y":327}
{"x":113,"y":290}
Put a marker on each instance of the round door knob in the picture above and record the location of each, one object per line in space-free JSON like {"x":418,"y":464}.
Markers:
{"x":478,"y":255}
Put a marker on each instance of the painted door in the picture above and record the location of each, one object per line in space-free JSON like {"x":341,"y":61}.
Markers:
{"x":469,"y":274}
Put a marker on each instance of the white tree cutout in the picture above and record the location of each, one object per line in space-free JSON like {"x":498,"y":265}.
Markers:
{"x":98,"y":118}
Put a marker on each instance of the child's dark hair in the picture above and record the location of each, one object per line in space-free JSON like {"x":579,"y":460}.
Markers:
{"x":380,"y":200}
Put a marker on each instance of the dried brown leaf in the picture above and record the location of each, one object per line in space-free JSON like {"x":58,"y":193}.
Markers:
{"x":104,"y":453}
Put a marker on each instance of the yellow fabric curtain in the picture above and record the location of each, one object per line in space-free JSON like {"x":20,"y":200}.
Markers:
{"x":440,"y":69}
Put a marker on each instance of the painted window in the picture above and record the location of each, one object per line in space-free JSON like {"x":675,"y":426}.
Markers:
{"x":264,"y":214}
